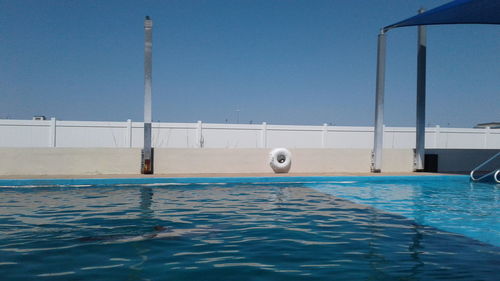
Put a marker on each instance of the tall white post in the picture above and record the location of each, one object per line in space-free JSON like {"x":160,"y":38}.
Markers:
{"x":147,"y":152}
{"x":420,"y":126}
{"x":379,"y":106}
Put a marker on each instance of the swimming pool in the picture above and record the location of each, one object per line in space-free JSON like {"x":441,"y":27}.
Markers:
{"x":345,"y":228}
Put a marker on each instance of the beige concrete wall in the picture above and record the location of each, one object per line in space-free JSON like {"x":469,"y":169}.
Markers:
{"x":171,"y":161}
{"x":96,"y":161}
{"x":257,"y":160}
{"x":69,"y":161}
{"x":211,"y":160}
{"x":397,"y":160}
{"x":330,"y":160}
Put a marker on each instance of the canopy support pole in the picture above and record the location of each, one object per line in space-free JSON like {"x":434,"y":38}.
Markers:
{"x":147,"y":151}
{"x":379,"y":105}
{"x":421,"y":79}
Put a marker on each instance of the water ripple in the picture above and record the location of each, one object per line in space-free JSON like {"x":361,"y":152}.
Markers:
{"x":225,"y":232}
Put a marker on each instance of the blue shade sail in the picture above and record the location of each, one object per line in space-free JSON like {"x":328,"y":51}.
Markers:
{"x":456,"y":12}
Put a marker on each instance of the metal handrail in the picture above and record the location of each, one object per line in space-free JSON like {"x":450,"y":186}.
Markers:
{"x":495,"y":172}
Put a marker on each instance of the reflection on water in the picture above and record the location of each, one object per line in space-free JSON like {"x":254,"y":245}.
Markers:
{"x":223,"y":232}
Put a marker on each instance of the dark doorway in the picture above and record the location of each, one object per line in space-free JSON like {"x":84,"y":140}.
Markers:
{"x":431,"y":163}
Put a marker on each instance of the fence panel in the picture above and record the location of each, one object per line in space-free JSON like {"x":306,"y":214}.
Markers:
{"x":54,"y":133}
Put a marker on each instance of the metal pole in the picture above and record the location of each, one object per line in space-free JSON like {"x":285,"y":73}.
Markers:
{"x":379,"y":106}
{"x":147,"y":152}
{"x":421,"y":70}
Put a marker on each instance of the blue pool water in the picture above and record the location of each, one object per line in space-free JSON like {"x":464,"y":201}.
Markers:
{"x":449,"y":203}
{"x":412,"y":228}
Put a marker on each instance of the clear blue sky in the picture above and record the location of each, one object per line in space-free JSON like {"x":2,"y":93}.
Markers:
{"x":280,"y":61}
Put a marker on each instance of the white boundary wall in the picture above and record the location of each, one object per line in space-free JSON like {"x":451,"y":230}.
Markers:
{"x":85,"y":134}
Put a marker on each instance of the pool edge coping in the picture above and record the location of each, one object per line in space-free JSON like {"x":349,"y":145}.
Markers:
{"x":39,"y":182}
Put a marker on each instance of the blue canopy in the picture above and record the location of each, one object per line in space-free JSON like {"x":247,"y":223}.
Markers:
{"x":456,"y":12}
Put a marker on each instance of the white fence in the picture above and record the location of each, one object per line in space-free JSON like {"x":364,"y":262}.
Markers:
{"x":54,"y":133}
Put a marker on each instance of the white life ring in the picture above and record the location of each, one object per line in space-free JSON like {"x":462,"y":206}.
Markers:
{"x":280,"y":160}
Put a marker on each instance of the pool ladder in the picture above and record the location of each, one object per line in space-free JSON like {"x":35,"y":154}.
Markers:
{"x":491,"y":176}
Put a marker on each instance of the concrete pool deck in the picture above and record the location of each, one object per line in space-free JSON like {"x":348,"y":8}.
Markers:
{"x":218,"y":175}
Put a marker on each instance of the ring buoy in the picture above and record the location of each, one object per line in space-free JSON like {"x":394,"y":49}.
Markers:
{"x":280,"y":160}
